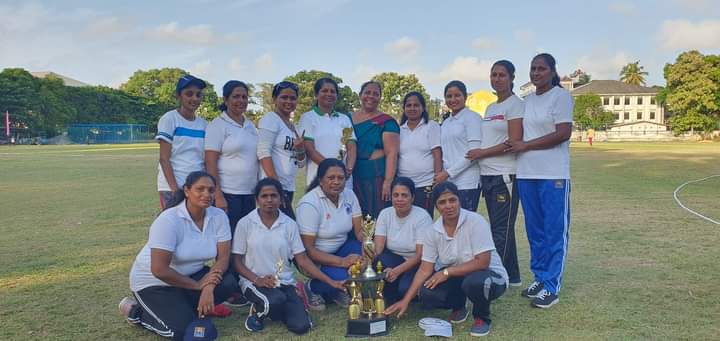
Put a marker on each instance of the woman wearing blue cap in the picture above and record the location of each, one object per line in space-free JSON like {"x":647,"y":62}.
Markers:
{"x":181,"y":135}
{"x":170,"y":282}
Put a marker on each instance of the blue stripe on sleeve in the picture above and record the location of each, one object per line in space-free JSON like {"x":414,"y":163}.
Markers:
{"x":182,"y":131}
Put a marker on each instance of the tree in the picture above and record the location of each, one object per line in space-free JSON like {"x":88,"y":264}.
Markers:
{"x":633,"y":73}
{"x":305,"y":80}
{"x":589,"y":112}
{"x":394,"y":88}
{"x":693,"y":90}
{"x":157,"y":87}
{"x":583,"y":79}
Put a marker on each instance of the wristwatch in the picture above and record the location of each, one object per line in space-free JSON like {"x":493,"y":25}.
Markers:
{"x":446,"y":273}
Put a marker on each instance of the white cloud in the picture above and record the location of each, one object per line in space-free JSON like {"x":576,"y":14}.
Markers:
{"x":264,"y":64}
{"x":524,"y":35}
{"x":23,"y":18}
{"x":469,"y":69}
{"x":483,"y":43}
{"x":624,"y":8}
{"x":197,"y":34}
{"x":201,"y":69}
{"x":683,"y":34}
{"x":697,"y":6}
{"x":602,"y":65}
{"x":404,"y":48}
{"x":106,"y":25}
{"x":361,"y":74}
{"x":236,"y":65}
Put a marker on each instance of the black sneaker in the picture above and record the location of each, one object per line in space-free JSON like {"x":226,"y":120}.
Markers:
{"x":544,"y":299}
{"x":254,"y":323}
{"x":532,"y":290}
{"x":458,"y":315}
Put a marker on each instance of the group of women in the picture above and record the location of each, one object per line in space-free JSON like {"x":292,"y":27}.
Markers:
{"x":227,"y":189}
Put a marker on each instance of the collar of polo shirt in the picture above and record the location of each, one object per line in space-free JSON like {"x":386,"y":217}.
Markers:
{"x":405,"y":125}
{"x":229,"y":119}
{"x":438,"y":225}
{"x":255,"y":216}
{"x":316,"y":109}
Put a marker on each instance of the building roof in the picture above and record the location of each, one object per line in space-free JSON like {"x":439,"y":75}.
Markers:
{"x":611,"y":87}
{"x":66,"y":80}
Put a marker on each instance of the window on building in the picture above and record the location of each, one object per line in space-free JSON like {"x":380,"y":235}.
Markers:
{"x":639,"y":116}
{"x":626,"y":116}
{"x":652,"y":115}
{"x":606,"y":100}
{"x":617,"y":116}
{"x":616,"y":101}
{"x":639,"y":100}
{"x":652,"y":100}
{"x":627,"y":100}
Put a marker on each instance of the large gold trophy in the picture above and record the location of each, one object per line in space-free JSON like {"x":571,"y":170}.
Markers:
{"x":346,"y":136}
{"x":367,"y":306}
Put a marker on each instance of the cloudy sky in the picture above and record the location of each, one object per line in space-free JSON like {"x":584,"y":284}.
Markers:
{"x":104,"y":42}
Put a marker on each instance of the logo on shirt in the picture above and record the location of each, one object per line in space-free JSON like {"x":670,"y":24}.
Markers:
{"x":501,"y":198}
{"x":327,"y":216}
{"x":348,"y":208}
{"x":559,"y":184}
{"x":289,"y":141}
{"x":199,"y":332}
{"x":500,"y":117}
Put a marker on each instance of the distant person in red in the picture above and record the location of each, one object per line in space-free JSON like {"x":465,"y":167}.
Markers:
{"x":590,"y":135}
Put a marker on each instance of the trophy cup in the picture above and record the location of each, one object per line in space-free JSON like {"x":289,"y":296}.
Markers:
{"x":346,"y":136}
{"x":367,"y":306}
{"x":279,"y":267}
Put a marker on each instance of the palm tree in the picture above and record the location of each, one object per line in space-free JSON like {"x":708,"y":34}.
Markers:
{"x":633,"y":73}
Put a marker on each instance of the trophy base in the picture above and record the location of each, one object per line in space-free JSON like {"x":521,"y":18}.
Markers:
{"x":364,"y":327}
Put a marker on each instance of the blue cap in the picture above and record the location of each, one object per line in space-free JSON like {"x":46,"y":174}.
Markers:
{"x":188,"y":80}
{"x":201,"y":329}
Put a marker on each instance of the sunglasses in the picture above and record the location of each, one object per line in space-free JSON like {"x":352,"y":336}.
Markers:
{"x":285,"y":85}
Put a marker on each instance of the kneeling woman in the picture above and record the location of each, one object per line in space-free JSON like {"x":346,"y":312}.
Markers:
{"x":459,"y":246}
{"x":398,"y":238}
{"x":169,"y":279}
{"x":264,"y":242}
{"x":330,"y":227}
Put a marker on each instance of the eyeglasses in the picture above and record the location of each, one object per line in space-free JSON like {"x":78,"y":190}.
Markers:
{"x":284,"y":85}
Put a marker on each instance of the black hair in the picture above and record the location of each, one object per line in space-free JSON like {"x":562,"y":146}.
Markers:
{"x":228,"y":88}
{"x":550,"y":61}
{"x":403,"y":181}
{"x":364,"y":85}
{"x":191,"y":179}
{"x":264,"y":182}
{"x":284,"y":85}
{"x":441,"y":188}
{"x":509,"y":67}
{"x":420,"y":98}
{"x":458,"y":84}
{"x":322,"y":170}
{"x":322,"y":81}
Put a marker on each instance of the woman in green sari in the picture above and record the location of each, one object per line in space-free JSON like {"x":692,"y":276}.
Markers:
{"x":378,"y":141}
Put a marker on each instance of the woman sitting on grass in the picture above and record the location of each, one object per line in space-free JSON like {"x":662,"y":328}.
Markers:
{"x":265,"y":240}
{"x":169,"y":279}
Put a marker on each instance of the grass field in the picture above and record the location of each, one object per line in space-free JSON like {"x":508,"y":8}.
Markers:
{"x":639,"y":267}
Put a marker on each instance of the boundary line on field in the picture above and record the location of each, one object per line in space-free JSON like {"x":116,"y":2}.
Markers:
{"x":677,"y":200}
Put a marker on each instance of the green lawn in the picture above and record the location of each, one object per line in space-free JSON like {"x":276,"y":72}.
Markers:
{"x":74,"y":217}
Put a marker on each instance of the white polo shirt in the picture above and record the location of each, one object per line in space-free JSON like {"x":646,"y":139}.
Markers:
{"x":472,"y":237}
{"x":187,"y":139}
{"x":460,"y":133}
{"x":330,"y":224}
{"x":263,"y":247}
{"x":237,"y":144}
{"x":495,"y":132}
{"x":542,"y":113}
{"x":403,"y":234}
{"x":415,"y":159}
{"x":175,"y":231}
{"x":276,"y":141}
{"x":325,"y":130}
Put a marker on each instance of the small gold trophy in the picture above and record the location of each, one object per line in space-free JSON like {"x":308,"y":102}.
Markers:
{"x":379,"y":299}
{"x":346,"y":136}
{"x":354,"y":290}
{"x":279,"y":267}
